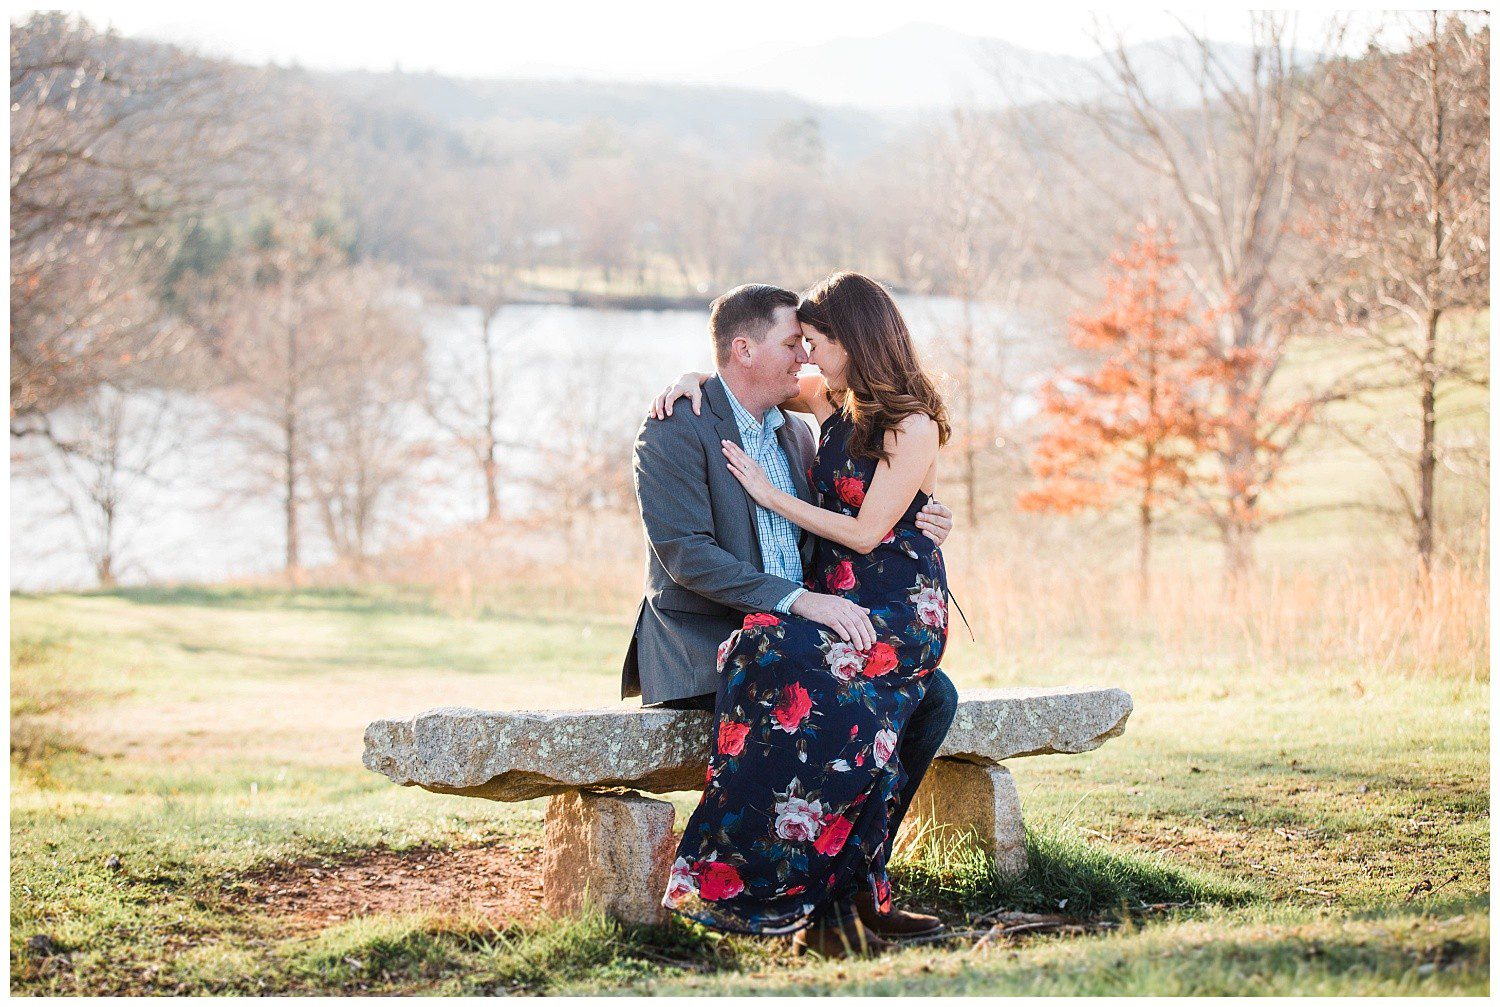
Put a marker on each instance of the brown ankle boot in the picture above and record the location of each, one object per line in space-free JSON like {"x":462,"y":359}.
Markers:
{"x":898,"y":923}
{"x":839,"y":940}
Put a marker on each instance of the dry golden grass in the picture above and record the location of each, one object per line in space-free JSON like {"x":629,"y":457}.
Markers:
{"x":1370,"y":618}
{"x":1058,"y":597}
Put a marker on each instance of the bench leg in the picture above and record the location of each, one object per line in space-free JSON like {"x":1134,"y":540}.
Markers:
{"x":613,"y":851}
{"x":982,"y":800}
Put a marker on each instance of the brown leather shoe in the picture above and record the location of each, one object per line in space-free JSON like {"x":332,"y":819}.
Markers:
{"x":839,"y":940}
{"x":898,"y":923}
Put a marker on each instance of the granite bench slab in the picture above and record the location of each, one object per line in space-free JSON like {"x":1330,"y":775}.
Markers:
{"x":517,"y":755}
{"x":609,"y":846}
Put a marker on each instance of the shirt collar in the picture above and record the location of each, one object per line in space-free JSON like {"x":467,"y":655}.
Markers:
{"x":742,"y":418}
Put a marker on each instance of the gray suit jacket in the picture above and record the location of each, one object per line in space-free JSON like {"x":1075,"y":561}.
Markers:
{"x":703,"y":562}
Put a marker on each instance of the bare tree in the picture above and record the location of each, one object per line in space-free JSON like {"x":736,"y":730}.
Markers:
{"x":487,"y":238}
{"x":697,"y":216}
{"x":260,"y":316}
{"x":582,"y":449}
{"x":606,"y":219}
{"x":1225,"y":166}
{"x":114,"y":143}
{"x":118,"y":442}
{"x":1405,"y":201}
{"x":979,"y":257}
{"x":469,"y":395}
{"x":362,"y":454}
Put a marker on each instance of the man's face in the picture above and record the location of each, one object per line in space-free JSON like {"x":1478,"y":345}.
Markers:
{"x":776,"y":360}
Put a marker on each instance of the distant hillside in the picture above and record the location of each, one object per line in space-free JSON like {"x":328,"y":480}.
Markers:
{"x":717,"y":120}
{"x":925,"y":66}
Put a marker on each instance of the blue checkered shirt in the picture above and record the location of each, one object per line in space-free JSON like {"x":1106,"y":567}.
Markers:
{"x":780,"y":549}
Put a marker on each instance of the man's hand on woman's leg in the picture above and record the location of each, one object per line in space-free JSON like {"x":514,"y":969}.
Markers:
{"x":850,"y":621}
{"x":936,"y":521}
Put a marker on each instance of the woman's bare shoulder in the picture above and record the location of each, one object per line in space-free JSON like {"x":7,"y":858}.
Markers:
{"x":913,"y":423}
{"x":918,"y":427}
{"x":914,"y":437}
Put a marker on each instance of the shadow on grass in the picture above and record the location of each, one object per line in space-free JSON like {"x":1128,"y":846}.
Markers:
{"x":373,"y":599}
{"x":37,"y":747}
{"x":1404,"y":953}
{"x":949,"y":872}
{"x":318,"y":599}
{"x":468,"y":957}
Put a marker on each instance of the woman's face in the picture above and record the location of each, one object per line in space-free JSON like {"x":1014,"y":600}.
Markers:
{"x":828,"y":356}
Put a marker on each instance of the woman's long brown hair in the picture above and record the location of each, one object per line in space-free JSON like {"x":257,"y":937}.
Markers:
{"x":885,"y":381}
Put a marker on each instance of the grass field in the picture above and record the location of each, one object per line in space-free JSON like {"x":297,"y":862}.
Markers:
{"x":1301,"y":829}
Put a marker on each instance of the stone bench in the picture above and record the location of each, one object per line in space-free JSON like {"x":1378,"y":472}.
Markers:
{"x":609,"y":845}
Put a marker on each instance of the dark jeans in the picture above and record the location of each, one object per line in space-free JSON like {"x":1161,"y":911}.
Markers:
{"x":925,"y":731}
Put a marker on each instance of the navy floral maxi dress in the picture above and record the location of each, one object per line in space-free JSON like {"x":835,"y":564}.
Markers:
{"x":805,"y":769}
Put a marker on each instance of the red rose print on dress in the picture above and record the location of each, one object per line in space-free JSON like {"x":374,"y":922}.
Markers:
{"x":882,"y":660}
{"x":792,"y":707}
{"x":883,"y":895}
{"x":718,"y":880}
{"x":808,"y":780}
{"x":841,"y":577}
{"x":732,"y":737}
{"x":850,"y":490}
{"x":831,"y":840}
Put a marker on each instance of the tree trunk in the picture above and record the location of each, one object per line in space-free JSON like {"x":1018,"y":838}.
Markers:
{"x":491,"y":415}
{"x":104,"y":568}
{"x":1437,"y":243}
{"x":1239,"y":558}
{"x":290,"y":445}
{"x":1143,"y":571}
{"x":971,"y":451}
{"x":1427,"y":458}
{"x":491,"y":486}
{"x":293,"y":558}
{"x":1241,"y":494}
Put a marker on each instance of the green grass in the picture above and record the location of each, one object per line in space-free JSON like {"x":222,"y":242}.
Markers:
{"x":1324,"y":832}
{"x":1064,"y":872}
{"x":1326,"y":470}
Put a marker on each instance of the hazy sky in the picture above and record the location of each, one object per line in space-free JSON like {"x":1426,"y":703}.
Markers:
{"x":666,"y":40}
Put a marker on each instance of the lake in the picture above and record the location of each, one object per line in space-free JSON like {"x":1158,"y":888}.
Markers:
{"x":194,"y":521}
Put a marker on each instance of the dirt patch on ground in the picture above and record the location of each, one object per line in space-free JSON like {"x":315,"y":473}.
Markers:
{"x":500,"y":882}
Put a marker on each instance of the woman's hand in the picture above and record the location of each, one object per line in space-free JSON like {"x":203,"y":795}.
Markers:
{"x":689,"y":386}
{"x":749,"y":473}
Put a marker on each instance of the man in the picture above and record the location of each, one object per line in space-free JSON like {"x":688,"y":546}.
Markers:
{"x":714,"y":555}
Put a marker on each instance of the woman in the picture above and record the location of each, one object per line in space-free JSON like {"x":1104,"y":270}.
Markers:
{"x":793,"y":820}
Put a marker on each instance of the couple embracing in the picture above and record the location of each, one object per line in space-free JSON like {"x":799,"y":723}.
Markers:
{"x":797,"y":590}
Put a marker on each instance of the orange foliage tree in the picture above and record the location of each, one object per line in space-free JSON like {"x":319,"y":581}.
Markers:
{"x":1135,"y":428}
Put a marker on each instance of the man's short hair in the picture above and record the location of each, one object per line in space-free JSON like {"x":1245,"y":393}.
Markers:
{"x":747,"y":310}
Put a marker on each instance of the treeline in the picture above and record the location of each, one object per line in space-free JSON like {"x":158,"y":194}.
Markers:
{"x":1303,"y":238}
{"x":179,"y":222}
